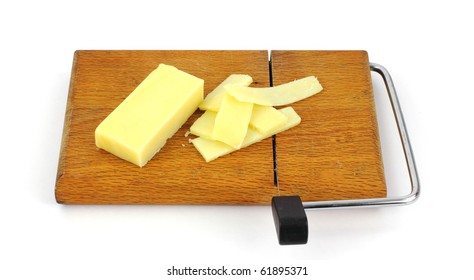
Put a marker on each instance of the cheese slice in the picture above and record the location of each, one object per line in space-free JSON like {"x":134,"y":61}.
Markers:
{"x":266,"y":118}
{"x":213,"y":100}
{"x":278,"y":95}
{"x":263,"y":119}
{"x":232,"y":121}
{"x":139,"y":127}
{"x":212,"y":149}
{"x":204,"y":125}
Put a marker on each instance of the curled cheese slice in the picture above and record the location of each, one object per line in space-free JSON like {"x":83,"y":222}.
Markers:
{"x":276,"y":96}
{"x":212,"y":149}
{"x":213,"y":100}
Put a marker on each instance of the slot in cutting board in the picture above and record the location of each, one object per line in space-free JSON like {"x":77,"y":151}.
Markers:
{"x":100,"y":80}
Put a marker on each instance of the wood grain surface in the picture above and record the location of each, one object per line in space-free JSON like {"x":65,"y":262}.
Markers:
{"x":335,"y":152}
{"x":177,"y":174}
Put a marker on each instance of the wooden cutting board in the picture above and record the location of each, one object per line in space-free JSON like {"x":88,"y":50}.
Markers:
{"x":333,"y":154}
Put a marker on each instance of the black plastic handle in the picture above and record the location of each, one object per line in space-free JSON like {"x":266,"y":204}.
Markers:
{"x":290,"y":220}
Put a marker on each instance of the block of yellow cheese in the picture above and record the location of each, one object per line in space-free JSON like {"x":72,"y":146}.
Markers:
{"x":139,"y":127}
{"x":212,"y":149}
{"x":232,"y":121}
{"x":278,"y":95}
{"x":213,"y":100}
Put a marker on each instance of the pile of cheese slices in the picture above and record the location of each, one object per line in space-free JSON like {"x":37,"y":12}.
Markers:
{"x":237,"y":116}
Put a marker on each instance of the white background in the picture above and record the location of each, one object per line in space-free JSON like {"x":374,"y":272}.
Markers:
{"x":427,"y":47}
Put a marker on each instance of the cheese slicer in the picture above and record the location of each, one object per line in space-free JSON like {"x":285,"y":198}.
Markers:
{"x":289,"y":211}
